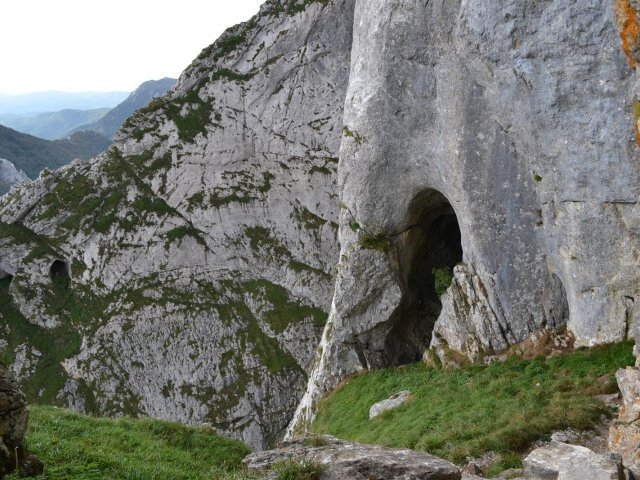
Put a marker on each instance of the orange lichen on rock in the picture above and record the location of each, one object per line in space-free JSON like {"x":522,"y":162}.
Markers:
{"x":627,"y":20}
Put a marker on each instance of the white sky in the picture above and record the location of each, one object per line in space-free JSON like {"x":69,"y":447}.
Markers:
{"x":83,"y":45}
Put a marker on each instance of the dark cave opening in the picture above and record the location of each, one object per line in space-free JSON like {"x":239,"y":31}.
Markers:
{"x":59,"y":273}
{"x":427,"y":253}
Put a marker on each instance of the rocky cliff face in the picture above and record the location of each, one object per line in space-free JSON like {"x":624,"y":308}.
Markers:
{"x":187,"y":273}
{"x":492,"y":140}
{"x":487,"y":191}
{"x":10,"y":175}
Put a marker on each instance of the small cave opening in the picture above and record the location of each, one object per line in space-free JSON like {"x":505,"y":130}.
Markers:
{"x":426,"y":255}
{"x":5,"y":280}
{"x":59,"y":274}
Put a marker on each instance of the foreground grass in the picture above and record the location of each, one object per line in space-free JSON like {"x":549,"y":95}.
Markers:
{"x":503,"y":407}
{"x":80,"y":447}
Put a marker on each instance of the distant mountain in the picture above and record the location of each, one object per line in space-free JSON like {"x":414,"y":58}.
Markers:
{"x":54,"y":101}
{"x":32,"y":154}
{"x":112,"y":121}
{"x":52,"y":125}
{"x":9,"y":175}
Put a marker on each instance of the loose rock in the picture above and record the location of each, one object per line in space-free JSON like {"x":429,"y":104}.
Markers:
{"x":389,"y":404}
{"x":562,"y":461}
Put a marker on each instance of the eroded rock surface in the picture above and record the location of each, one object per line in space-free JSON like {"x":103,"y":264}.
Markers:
{"x":562,"y":461}
{"x":13,"y":421}
{"x":10,"y":175}
{"x":199,"y":249}
{"x":624,"y":435}
{"x":494,"y":140}
{"x":352,"y":461}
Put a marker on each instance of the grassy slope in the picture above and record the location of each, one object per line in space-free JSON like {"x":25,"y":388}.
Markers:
{"x":503,"y":407}
{"x":80,"y":447}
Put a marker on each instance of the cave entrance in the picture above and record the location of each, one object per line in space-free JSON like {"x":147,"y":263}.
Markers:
{"x":59,"y":273}
{"x":427,"y":253}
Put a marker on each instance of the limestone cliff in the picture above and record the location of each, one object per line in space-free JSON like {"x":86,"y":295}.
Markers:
{"x":495,"y":140}
{"x":10,"y":175}
{"x":487,"y":190}
{"x":187,"y":273}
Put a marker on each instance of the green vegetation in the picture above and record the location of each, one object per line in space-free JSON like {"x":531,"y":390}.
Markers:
{"x":503,"y":407}
{"x":196,"y":119}
{"x":280,"y":310}
{"x":370,"y":241}
{"x":293,"y":470}
{"x":55,"y":345}
{"x":231,"y":75}
{"x":442,"y":278}
{"x":636,"y":110}
{"x":262,"y":241}
{"x":347,"y":132}
{"x":179,"y":233}
{"x":291,"y":7}
{"x":78,"y":446}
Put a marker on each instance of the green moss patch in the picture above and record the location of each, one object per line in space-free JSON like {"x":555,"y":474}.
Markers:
{"x":281,"y":310}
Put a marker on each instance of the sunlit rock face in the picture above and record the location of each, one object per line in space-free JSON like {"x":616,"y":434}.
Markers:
{"x":486,"y":191}
{"x":494,"y":141}
{"x":10,"y":175}
{"x":187,"y":273}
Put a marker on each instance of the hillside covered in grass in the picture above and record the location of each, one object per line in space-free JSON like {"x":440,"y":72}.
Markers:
{"x":76,"y":446}
{"x":503,"y":407}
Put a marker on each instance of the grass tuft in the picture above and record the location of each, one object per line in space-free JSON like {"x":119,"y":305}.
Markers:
{"x":293,"y":470}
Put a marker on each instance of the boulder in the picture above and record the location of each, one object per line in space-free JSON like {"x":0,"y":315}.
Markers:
{"x":390,"y":403}
{"x":562,"y":461}
{"x":352,"y":461}
{"x":624,"y":435}
{"x":13,"y":421}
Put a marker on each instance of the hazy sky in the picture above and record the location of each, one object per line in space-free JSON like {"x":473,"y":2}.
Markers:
{"x":81,"y":45}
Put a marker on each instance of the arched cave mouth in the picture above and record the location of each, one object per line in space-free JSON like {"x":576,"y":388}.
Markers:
{"x":427,"y":253}
{"x":59,"y":274}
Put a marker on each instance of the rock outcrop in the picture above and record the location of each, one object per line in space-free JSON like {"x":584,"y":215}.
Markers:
{"x":13,"y":422}
{"x":562,"y":461}
{"x":352,"y":461}
{"x":187,"y":273}
{"x":492,"y":140}
{"x":624,"y":436}
{"x":487,"y":191}
{"x":10,"y":175}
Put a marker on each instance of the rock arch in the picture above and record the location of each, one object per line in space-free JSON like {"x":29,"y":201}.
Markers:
{"x":426,"y":254}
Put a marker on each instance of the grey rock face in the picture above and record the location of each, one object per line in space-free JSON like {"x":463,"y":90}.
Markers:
{"x":562,"y":461}
{"x":352,"y":461}
{"x":13,"y":421}
{"x":624,"y":435}
{"x":494,"y":138}
{"x":389,"y":404}
{"x":199,"y":249}
{"x":10,"y":175}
